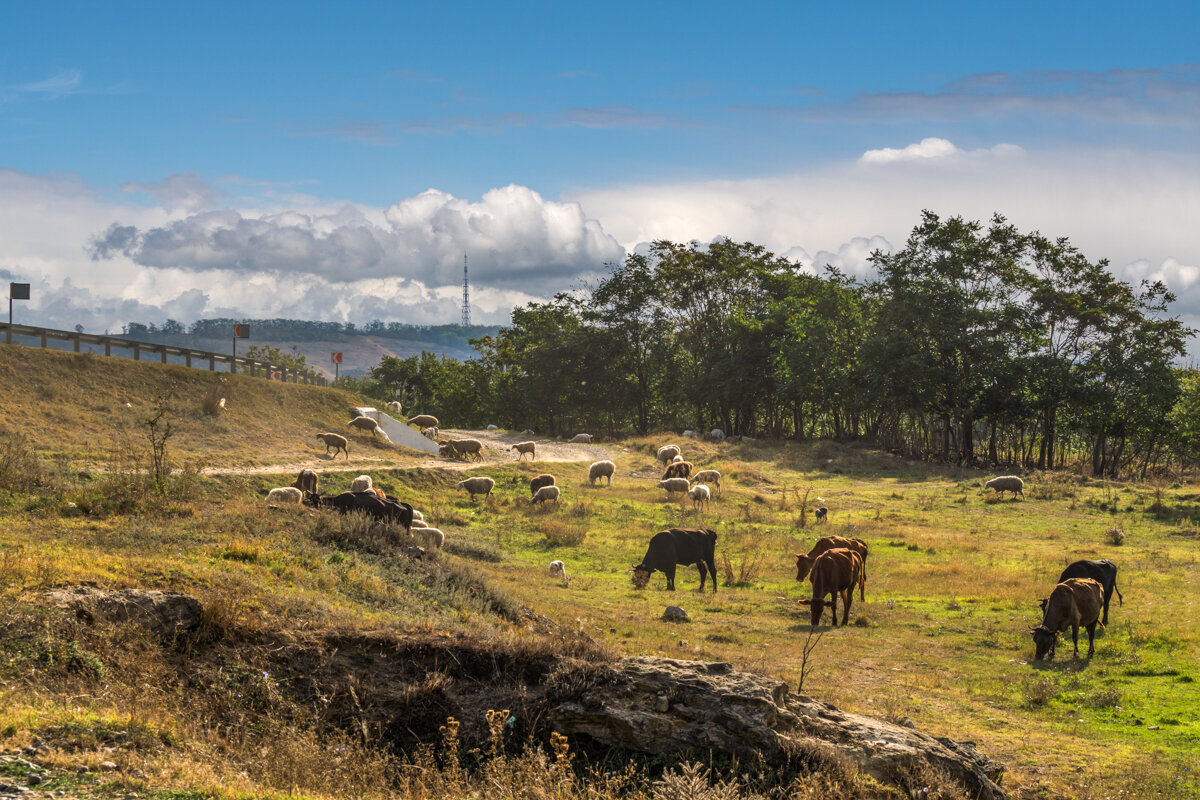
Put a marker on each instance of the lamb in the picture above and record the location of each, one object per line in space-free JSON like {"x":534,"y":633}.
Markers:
{"x":581,"y":438}
{"x":673,"y":485}
{"x":1007,"y":483}
{"x":676,"y":459}
{"x":430,"y":433}
{"x":306,"y":481}
{"x":601,"y":469}
{"x":463,"y":447}
{"x":336,"y":441}
{"x":667,"y":452}
{"x":285,"y":494}
{"x":423,"y":421}
{"x":535,"y":483}
{"x":393,"y":406}
{"x":558,"y":570}
{"x":700,"y":495}
{"x":708,"y":476}
{"x":365,"y":424}
{"x":474,"y":486}
{"x":525,"y":449}
{"x":362,"y":483}
{"x":678,"y":469}
{"x":429,"y":538}
{"x":545,"y":494}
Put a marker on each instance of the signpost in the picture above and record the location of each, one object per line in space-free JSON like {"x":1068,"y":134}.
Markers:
{"x":336,"y":358}
{"x":239,"y":332}
{"x":16,"y":291}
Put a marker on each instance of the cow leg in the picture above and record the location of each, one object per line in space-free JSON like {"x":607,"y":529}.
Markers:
{"x":1106,"y":599}
{"x":847,"y":597}
{"x":1075,"y":638}
{"x":712,"y":567}
{"x":1091,"y":629}
{"x":670,"y":573}
{"x":833,"y":607}
{"x":862,"y":584}
{"x":703,"y":573}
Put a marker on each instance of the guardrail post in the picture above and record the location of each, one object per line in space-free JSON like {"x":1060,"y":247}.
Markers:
{"x":43,"y":339}
{"x":188,"y":356}
{"x":137,"y":352}
{"x":107,"y":347}
{"x":75,"y":339}
{"x":212,"y":364}
{"x":164,"y":355}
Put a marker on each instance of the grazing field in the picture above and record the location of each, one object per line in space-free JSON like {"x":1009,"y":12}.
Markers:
{"x":954,"y":576}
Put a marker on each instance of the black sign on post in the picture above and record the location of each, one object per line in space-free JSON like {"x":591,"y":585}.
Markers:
{"x":16,"y":291}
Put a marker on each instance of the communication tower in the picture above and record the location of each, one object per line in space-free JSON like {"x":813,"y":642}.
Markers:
{"x":466,"y":307}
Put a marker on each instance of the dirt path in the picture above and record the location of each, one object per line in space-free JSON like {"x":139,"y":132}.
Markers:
{"x":496,"y":450}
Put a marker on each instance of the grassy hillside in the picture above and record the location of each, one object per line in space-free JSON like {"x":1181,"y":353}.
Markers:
{"x":954,"y":578}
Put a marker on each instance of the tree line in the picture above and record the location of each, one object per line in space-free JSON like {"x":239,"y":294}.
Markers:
{"x":974,"y":344}
{"x":299,"y":330}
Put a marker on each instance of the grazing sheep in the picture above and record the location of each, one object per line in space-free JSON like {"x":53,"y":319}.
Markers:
{"x":423,"y":421}
{"x":545,"y":494}
{"x":362,"y":483}
{"x":708,"y":476}
{"x":336,"y":441}
{"x":689,"y":433}
{"x":525,"y":449}
{"x":545,"y":479}
{"x":678,"y":469}
{"x":676,"y":459}
{"x":429,"y":538}
{"x":417,"y":523}
{"x":463,"y":447}
{"x":492,"y":428}
{"x":673,"y":485}
{"x":667,"y":452}
{"x":474,"y":486}
{"x":527,"y":432}
{"x":430,"y":433}
{"x":558,"y":570}
{"x":822,"y":514}
{"x":601,"y":469}
{"x":285,"y":494}
{"x":716,"y":435}
{"x":581,"y":438}
{"x":364,"y":424}
{"x":393,"y":406}
{"x":306,"y":481}
{"x":417,"y":515}
{"x":1007,"y":483}
{"x":700,"y":495}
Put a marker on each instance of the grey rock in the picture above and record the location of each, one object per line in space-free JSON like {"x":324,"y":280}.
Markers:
{"x":713,"y":707}
{"x":676,"y":614}
{"x":165,"y":613}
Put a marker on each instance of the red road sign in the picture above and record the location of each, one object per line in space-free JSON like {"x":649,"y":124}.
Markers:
{"x":241,"y":331}
{"x":335,"y":358}
{"x":276,"y":376}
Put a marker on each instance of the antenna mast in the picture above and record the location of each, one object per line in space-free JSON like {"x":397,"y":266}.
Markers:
{"x":466,"y":306}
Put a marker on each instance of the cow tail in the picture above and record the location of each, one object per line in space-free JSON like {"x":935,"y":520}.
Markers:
{"x":1120,"y":600}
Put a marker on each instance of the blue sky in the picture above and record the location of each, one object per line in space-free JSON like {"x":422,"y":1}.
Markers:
{"x":253,"y":159}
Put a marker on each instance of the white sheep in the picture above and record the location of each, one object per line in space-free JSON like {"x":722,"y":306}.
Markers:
{"x":525,"y":449}
{"x":285,"y":494}
{"x":463,"y":447}
{"x":527,"y":432}
{"x":393,"y":406}
{"x":362,"y":483}
{"x":480,"y":485}
{"x":430,"y":433}
{"x":601,"y":469}
{"x":700,"y":495}
{"x":429,"y":538}
{"x":708,"y":476}
{"x":1007,"y":483}
{"x":667,"y":452}
{"x":418,"y":516}
{"x":581,"y":438}
{"x":673,"y":485}
{"x":492,"y":428}
{"x":677,"y":460}
{"x":423,"y":421}
{"x":337,"y":442}
{"x":689,"y":433}
{"x":417,"y":523}
{"x":716,"y":435}
{"x":364,"y":424}
{"x":545,"y":494}
{"x":558,"y":570}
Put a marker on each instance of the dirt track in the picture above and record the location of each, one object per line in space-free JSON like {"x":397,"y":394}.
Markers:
{"x":496,"y":450}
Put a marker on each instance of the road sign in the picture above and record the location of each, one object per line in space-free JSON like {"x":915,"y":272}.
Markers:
{"x":335,"y":358}
{"x":241,"y":331}
{"x":18,"y":291}
{"x":276,"y":376}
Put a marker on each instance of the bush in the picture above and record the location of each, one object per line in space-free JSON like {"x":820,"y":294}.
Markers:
{"x":1116,"y":536}
{"x":562,"y":533}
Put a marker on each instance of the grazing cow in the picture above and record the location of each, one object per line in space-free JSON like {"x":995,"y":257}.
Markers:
{"x":381,"y":509}
{"x":683,"y":546}
{"x":678,"y":469}
{"x":1075,"y":602}
{"x":834,"y":572}
{"x":804,"y":563}
{"x":1103,"y":572}
{"x":822,"y":514}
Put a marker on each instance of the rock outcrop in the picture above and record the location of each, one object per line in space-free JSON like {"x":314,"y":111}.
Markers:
{"x":165,"y":613}
{"x":659,"y":705}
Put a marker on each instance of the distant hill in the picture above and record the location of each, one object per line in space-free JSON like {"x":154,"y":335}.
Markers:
{"x":361,"y":347}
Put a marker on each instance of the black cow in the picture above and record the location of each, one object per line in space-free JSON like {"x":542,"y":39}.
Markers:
{"x":1103,"y":572}
{"x":378,"y":508}
{"x":684,"y":546}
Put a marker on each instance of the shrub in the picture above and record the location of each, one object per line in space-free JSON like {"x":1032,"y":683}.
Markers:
{"x":562,"y":533}
{"x":1116,"y":536}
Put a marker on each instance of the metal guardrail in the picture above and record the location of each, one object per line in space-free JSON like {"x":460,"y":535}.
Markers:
{"x":255,"y":368}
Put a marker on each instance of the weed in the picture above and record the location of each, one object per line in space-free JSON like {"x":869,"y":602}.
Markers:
{"x":1115,"y":536}
{"x":564,"y":534}
{"x":1039,"y":690}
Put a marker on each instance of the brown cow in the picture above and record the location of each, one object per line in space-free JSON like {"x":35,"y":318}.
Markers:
{"x":834,"y":572}
{"x":804,"y":563}
{"x":306,"y":481}
{"x":680,"y":469}
{"x":1075,"y":602}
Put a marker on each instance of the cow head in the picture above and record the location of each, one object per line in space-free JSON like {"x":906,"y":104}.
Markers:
{"x":1043,"y":603}
{"x":804,"y":565}
{"x":640,"y":575}
{"x":312,"y":499}
{"x":818,"y":605}
{"x":1043,"y":642}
